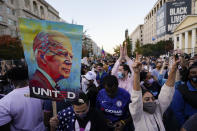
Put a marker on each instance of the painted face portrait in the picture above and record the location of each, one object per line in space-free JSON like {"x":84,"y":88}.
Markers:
{"x":53,"y":52}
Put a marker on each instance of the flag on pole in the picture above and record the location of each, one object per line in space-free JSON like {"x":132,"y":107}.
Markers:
{"x":103,"y":52}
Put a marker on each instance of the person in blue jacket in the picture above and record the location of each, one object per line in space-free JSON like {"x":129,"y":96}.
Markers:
{"x":100,"y":75}
{"x":184,"y":102}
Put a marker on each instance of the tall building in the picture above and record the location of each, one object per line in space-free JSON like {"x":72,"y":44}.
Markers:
{"x":91,"y":46}
{"x":163,"y":18}
{"x":137,"y":34}
{"x":11,"y":10}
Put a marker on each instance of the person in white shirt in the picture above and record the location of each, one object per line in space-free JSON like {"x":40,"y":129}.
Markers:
{"x":145,"y":110}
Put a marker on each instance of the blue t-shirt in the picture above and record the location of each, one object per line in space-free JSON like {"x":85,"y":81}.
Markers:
{"x":114,"y":109}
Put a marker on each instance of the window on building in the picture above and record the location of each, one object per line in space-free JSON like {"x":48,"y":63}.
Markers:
{"x":27,"y":4}
{"x":13,"y":33}
{"x":11,"y":22}
{"x":35,"y":7}
{"x":1,"y":18}
{"x":13,"y":12}
{"x":42,"y":11}
{"x":9,"y":11}
{"x":12,"y":2}
{"x":170,"y":39}
{"x":177,"y":38}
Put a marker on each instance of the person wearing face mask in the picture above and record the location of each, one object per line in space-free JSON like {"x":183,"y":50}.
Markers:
{"x":184,"y":102}
{"x":88,"y":79}
{"x":151,"y":85}
{"x":123,"y":72}
{"x":145,"y":110}
{"x":90,"y":87}
{"x":156,"y":71}
{"x":81,"y":113}
{"x":113,"y":102}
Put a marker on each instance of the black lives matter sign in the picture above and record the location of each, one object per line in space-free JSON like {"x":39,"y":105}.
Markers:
{"x":170,"y":15}
{"x":176,"y":12}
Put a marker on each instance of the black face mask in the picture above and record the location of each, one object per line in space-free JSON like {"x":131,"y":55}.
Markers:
{"x":149,"y":107}
{"x":194,"y":79}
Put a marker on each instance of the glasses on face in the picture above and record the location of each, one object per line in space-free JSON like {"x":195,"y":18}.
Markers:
{"x":61,"y":53}
{"x":147,"y":99}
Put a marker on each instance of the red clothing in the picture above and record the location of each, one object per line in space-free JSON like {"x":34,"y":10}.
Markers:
{"x":39,"y":81}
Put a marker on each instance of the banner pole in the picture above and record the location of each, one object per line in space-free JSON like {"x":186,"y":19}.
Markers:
{"x":54,"y":107}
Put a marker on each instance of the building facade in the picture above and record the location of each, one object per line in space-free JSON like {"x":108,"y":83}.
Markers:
{"x":91,"y":46}
{"x":185,"y":35}
{"x":150,"y":34}
{"x":11,"y":10}
{"x":137,"y":34}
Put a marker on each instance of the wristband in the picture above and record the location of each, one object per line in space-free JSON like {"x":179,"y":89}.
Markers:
{"x":122,"y":122}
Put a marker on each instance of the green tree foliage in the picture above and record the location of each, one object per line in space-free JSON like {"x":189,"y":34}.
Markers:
{"x":137,"y":47}
{"x":10,"y":48}
{"x":160,"y":48}
{"x":117,"y":50}
{"x":129,"y":47}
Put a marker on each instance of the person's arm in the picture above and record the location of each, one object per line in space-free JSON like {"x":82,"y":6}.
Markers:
{"x":136,"y":107}
{"x":161,"y":79}
{"x":178,"y":107}
{"x":167,"y":90}
{"x":129,"y":61}
{"x":118,"y":62}
{"x":5,"y":112}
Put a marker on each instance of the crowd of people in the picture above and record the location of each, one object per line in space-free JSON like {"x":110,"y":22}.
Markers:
{"x":117,"y":94}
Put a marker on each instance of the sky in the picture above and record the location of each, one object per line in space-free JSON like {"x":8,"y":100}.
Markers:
{"x":104,"y":20}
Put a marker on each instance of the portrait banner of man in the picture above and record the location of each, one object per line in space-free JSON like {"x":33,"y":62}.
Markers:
{"x":53,"y":54}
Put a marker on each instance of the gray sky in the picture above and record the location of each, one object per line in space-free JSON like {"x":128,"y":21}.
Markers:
{"x":104,"y":20}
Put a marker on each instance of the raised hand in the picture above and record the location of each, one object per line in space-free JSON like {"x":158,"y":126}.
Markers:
{"x":125,"y":49}
{"x":54,"y":122}
{"x":137,"y":64}
{"x":172,"y":75}
{"x":175,"y":64}
{"x":121,"y":52}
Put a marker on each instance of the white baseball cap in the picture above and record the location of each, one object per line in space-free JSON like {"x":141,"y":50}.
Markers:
{"x":90,"y":75}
